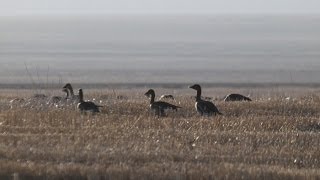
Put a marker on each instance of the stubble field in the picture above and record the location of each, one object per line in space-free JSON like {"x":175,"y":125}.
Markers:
{"x":272,"y":137}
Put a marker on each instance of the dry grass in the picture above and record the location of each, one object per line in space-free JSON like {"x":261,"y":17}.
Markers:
{"x":265,"y":139}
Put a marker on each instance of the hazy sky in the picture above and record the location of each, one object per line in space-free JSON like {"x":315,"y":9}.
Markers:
{"x":14,"y":7}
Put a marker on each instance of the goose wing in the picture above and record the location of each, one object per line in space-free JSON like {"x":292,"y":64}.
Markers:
{"x":92,"y":104}
{"x":88,"y":106}
{"x":247,"y":98}
{"x":207,"y":107}
{"x":164,"y":105}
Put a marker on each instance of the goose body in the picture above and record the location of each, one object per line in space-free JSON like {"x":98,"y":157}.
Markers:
{"x":39,"y":96}
{"x":158,"y":107}
{"x":236,"y":97}
{"x":204,"y":107}
{"x":17,"y":102}
{"x":86,"y":105}
{"x":55,"y":99}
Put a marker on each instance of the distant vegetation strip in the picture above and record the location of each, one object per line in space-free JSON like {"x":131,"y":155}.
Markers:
{"x":155,"y":85}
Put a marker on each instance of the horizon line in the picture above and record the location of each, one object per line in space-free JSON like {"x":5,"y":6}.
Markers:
{"x":157,"y":14}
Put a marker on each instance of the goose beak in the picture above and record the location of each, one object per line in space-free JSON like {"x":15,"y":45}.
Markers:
{"x":192,"y":87}
{"x":146,"y":94}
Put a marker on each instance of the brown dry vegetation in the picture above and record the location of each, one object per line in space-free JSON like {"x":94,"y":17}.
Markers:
{"x":269,"y":138}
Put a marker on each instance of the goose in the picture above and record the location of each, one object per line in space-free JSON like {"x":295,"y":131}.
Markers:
{"x":16,"y":102}
{"x":38,"y":101}
{"x":87,"y":105}
{"x":67,"y":93}
{"x":57,"y":99}
{"x":54,"y":100}
{"x":166,"y":96}
{"x":159,"y":106}
{"x":71,"y":93}
{"x":39,"y":96}
{"x":204,"y":107}
{"x":236,"y":97}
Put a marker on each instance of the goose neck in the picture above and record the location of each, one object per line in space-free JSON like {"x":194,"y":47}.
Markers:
{"x":80,"y":96}
{"x":67,"y":92}
{"x":152,"y":98}
{"x":198,"y":97}
{"x":71,"y":91}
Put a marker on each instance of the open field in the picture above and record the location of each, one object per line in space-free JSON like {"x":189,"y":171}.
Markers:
{"x":269,"y":138}
{"x":274,"y":59}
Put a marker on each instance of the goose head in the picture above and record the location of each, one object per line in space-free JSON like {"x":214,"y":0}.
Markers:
{"x":195,"y":87}
{"x":68,"y":85}
{"x":150,"y":93}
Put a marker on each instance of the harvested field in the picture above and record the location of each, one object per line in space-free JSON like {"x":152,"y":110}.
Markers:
{"x":272,"y":137}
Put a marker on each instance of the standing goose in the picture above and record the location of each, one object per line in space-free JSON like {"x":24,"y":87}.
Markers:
{"x":71,"y":93}
{"x":202,"y":106}
{"x":159,"y":106}
{"x":236,"y":97}
{"x":86,"y":105}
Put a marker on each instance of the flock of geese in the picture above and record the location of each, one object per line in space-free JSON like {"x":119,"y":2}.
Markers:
{"x":203,"y":106}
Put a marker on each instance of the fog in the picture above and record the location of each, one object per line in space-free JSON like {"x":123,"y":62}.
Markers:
{"x":40,"y":7}
{"x":182,"y":48}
